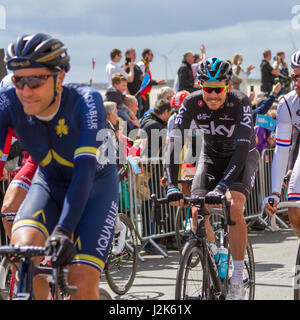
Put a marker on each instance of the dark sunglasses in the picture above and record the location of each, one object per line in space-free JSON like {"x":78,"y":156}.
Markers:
{"x":218,"y":90}
{"x":295,"y":77}
{"x":32,"y":82}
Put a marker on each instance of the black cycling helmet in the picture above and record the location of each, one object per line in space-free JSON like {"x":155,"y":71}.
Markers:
{"x":295,"y":59}
{"x":214,"y":69}
{"x":39,"y":50}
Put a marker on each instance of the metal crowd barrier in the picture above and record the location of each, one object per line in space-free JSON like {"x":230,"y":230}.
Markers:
{"x":265,"y":186}
{"x":137,"y":203}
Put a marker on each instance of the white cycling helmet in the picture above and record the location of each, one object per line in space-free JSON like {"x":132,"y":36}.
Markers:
{"x":295,"y":59}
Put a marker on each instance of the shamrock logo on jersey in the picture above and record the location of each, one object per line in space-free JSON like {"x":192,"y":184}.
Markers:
{"x":61,"y":128}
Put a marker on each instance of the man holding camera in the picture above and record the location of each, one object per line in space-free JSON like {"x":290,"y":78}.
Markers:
{"x":113,"y":66}
{"x":134,"y":86}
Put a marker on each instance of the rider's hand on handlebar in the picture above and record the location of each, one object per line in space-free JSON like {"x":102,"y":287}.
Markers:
{"x":269,"y":209}
{"x":61,"y":247}
{"x":216,"y":196}
{"x":175,"y":196}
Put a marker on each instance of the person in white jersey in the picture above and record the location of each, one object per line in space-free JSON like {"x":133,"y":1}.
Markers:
{"x":288,"y":116}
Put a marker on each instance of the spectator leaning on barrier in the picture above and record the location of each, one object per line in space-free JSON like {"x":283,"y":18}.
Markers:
{"x":268,"y":74}
{"x":114,"y":66}
{"x":144,"y":64}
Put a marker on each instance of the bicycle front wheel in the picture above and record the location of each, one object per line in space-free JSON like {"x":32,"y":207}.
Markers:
{"x":120,"y":270}
{"x":6,"y":281}
{"x":182,"y":232}
{"x":192,"y":281}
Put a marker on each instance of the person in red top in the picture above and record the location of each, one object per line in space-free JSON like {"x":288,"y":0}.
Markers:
{"x":144,"y":64}
{"x":19,"y":186}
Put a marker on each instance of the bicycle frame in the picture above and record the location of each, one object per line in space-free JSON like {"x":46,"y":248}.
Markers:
{"x":27,"y":271}
{"x":201,"y":237}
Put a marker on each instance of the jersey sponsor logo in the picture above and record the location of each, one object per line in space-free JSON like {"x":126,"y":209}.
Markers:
{"x":226,"y":118}
{"x":220,"y":130}
{"x":92,"y":115}
{"x":210,"y":177}
{"x":62,"y":128}
{"x":230,"y":172}
{"x":203,"y":116}
{"x":4,"y":101}
{"x":107,"y":230}
{"x":247,"y":117}
{"x":179,"y":116}
{"x":30,"y":120}
{"x":200,"y":103}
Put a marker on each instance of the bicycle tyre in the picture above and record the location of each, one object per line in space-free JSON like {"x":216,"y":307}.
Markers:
{"x":296,"y":277}
{"x":181,"y":235}
{"x":127,"y":261}
{"x":104,"y":295}
{"x":5,"y":280}
{"x":191,"y":262}
{"x":249,"y":271}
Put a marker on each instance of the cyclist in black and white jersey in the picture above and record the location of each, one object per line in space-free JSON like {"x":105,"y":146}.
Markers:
{"x":288,"y":116}
{"x":229,"y":159}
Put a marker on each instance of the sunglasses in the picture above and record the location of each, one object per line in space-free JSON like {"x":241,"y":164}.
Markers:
{"x":32,"y":82}
{"x":295,"y":77}
{"x":218,"y":90}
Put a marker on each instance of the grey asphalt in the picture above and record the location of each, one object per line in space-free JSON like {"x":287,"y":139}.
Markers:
{"x":275,"y":256}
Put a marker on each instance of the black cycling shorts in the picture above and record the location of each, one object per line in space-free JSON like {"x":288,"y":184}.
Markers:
{"x":210,"y":171}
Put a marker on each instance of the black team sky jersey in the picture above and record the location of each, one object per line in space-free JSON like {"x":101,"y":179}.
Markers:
{"x":228,"y":132}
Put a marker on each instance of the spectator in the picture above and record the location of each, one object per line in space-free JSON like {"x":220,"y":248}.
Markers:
{"x":144,"y":64}
{"x":153,"y":124}
{"x":197,"y":59}
{"x":283,"y":76}
{"x":113,"y":66}
{"x":240,"y":74}
{"x":163,"y":93}
{"x":135,"y":85}
{"x":265,"y":104}
{"x":115,"y":93}
{"x":111,"y":113}
{"x":265,"y":137}
{"x":132,"y":104}
{"x":185,"y":74}
{"x":268,"y":74}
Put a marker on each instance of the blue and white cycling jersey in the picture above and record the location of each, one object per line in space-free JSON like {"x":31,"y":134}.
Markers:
{"x":65,"y":147}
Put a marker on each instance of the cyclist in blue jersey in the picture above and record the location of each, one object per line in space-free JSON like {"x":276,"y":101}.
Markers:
{"x":73,"y":200}
{"x":229,"y":160}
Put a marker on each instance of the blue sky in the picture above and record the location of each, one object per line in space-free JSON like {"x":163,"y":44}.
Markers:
{"x":91,"y":28}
